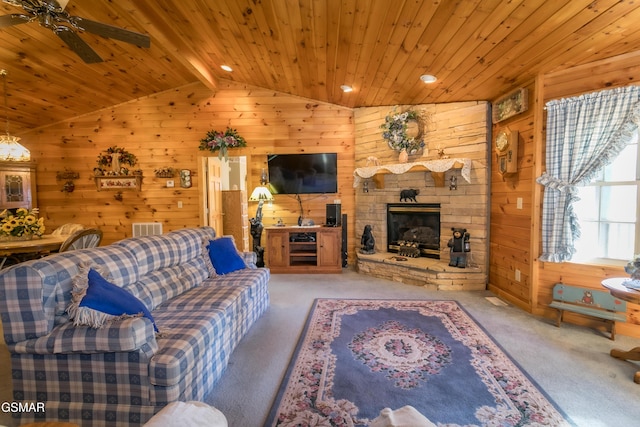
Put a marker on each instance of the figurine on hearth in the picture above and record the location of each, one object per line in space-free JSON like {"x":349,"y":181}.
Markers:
{"x":459,"y":246}
{"x":367,"y":241}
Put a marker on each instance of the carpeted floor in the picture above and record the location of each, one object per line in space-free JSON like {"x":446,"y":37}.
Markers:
{"x":571,"y":363}
{"x":359,"y":356}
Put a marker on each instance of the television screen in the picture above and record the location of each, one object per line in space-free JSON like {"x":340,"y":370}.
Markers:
{"x":303,"y":173}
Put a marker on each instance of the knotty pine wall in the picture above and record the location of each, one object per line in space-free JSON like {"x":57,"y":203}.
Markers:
{"x":515,"y":234}
{"x":511,"y":230}
{"x":165,"y":130}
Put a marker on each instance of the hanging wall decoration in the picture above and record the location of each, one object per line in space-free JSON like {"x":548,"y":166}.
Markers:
{"x":68,"y":176}
{"x":115,"y":171}
{"x":165,"y":172}
{"x":222,"y":141}
{"x":510,"y":105}
{"x":404,"y":132}
{"x":185,"y":178}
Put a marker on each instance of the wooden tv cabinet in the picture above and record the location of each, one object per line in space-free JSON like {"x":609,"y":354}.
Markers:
{"x":311,"y":249}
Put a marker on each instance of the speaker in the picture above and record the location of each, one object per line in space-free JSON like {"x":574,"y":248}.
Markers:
{"x":334,"y":218}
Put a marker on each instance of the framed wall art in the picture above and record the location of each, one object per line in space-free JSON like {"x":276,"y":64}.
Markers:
{"x":185,"y":178}
{"x":510,"y":105}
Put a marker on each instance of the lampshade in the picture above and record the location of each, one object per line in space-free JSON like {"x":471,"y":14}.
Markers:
{"x":12,"y":151}
{"x":260,"y":193}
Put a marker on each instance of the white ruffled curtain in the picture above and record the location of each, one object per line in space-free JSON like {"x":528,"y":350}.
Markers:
{"x":584,"y":134}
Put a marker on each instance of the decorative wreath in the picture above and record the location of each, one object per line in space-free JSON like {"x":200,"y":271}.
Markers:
{"x":394,"y":131}
{"x":107,"y":159}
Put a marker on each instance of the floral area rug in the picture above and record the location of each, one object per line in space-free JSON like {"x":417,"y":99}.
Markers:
{"x":357,"y":357}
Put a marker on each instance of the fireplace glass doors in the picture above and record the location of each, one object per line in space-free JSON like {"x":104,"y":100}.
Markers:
{"x":413,"y":229}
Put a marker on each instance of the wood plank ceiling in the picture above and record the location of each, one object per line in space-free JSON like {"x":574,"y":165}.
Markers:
{"x":478,"y":49}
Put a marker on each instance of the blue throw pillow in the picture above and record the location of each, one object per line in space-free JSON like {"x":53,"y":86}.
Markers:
{"x":224,"y":256}
{"x":100,"y":301}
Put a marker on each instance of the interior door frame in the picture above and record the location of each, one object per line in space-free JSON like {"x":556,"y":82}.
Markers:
{"x":205,"y":167}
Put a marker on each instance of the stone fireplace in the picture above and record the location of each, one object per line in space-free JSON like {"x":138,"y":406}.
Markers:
{"x":414,"y":229}
{"x":429,"y":221}
{"x":456,"y":131}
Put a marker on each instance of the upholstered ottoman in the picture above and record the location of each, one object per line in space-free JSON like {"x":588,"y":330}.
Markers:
{"x":407,"y":416}
{"x":188,"y":414}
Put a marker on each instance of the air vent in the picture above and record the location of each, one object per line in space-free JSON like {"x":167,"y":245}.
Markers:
{"x":146,"y":228}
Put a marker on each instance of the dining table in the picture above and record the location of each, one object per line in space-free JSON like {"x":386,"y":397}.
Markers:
{"x":616,"y":286}
{"x":22,"y":250}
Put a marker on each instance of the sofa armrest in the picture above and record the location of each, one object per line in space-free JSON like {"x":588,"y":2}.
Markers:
{"x":131,"y":334}
{"x":250,"y":259}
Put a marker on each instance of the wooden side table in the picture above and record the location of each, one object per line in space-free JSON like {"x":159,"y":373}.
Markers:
{"x":618,"y":290}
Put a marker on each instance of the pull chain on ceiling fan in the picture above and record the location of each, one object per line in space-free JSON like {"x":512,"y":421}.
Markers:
{"x":51,"y":14}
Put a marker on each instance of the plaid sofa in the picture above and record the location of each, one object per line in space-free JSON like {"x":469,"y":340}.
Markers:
{"x":123,"y":373}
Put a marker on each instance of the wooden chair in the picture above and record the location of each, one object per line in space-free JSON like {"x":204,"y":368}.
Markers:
{"x":67,"y":229}
{"x":87,"y":238}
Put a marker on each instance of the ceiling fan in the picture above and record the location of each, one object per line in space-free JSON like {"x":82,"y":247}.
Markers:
{"x":51,"y":14}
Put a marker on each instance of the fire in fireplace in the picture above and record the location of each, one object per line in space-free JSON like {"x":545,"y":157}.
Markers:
{"x":414,"y":229}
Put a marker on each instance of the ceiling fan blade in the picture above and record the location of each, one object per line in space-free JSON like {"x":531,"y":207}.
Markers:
{"x":112,"y":32}
{"x":14,"y":19}
{"x":13,"y":2}
{"x":79,"y":46}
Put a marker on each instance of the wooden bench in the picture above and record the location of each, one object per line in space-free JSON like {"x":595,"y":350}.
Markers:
{"x":589,"y":302}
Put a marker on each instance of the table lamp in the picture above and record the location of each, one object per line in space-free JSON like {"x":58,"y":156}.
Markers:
{"x":259,"y":194}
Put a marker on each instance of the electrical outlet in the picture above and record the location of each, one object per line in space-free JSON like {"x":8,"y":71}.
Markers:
{"x":517,"y":275}
{"x":179,"y":204}
{"x":519,"y":203}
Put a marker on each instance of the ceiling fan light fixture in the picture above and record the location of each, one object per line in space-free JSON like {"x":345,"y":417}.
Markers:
{"x":10,"y":149}
{"x":428,"y":78}
{"x":346,"y":88}
{"x":226,"y":68}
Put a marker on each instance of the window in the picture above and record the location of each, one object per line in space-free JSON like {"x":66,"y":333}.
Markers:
{"x":608,"y":210}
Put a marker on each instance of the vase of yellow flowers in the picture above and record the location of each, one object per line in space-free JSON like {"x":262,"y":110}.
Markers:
{"x":23,"y":224}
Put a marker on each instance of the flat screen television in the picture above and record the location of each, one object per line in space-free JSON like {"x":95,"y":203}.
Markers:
{"x":303,"y":173}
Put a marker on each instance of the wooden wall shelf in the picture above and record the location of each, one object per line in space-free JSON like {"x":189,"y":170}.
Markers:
{"x":436,"y":167}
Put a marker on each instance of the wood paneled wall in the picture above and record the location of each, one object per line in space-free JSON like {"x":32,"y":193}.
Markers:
{"x":165,"y":130}
{"x":510,"y":229}
{"x":515,"y":234}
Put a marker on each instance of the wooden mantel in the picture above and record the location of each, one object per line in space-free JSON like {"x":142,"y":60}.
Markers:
{"x":436,"y":167}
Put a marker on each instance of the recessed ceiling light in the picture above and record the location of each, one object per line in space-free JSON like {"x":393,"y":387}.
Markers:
{"x":346,"y":88}
{"x":226,"y":68}
{"x":428,"y":78}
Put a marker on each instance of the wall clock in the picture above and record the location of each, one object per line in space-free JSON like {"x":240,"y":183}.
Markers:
{"x":506,"y":145}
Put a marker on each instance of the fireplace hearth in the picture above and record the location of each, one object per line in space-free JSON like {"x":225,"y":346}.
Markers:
{"x":414,"y":229}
